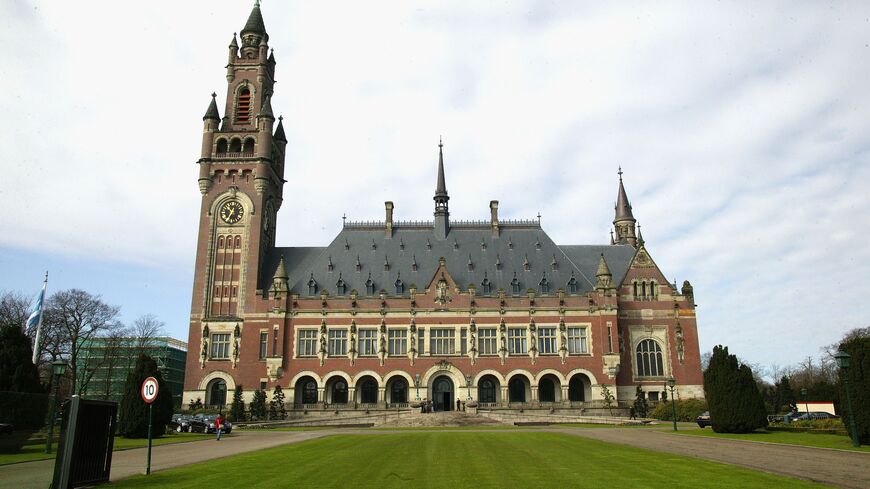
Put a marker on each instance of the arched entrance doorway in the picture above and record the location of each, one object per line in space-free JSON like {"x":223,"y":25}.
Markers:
{"x":368,"y":390}
{"x":217,"y":393}
{"x":442,"y":393}
{"x":338,"y":392}
{"x":488,"y":389}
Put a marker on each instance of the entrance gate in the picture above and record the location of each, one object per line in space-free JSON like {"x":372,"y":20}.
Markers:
{"x":442,"y":396}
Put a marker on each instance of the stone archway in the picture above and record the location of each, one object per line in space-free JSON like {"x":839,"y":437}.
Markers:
{"x":443,"y":393}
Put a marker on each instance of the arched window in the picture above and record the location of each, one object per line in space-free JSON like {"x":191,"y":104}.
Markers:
{"x":517,"y":390}
{"x":649,"y":359}
{"x":243,"y":107}
{"x":339,"y":392}
{"x":572,"y":285}
{"x":312,"y":285}
{"x":577,"y":389}
{"x":399,"y":391}
{"x":546,"y":390}
{"x":238,"y":241}
{"x":544,"y":285}
{"x":370,"y":286}
{"x":248,"y":149}
{"x":486,"y":285}
{"x":400,"y":287}
{"x":486,"y":390}
{"x":306,"y":391}
{"x":220,"y":241}
{"x":235,"y":145}
{"x":340,"y":286}
{"x":222,"y":146}
{"x":636,"y":295}
{"x":369,"y":392}
{"x":515,"y":286}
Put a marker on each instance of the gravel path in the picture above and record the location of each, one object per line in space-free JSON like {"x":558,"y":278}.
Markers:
{"x":836,"y":467}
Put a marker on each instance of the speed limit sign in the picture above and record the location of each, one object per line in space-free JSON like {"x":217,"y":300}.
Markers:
{"x":149,"y":390}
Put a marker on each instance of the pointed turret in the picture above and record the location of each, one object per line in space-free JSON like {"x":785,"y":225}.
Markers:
{"x":212,"y":111}
{"x":279,"y":131}
{"x":266,"y":109}
{"x":255,"y":24}
{"x":279,"y":280}
{"x":639,"y":236}
{"x":442,"y":215}
{"x":624,"y":220}
{"x":605,"y":278}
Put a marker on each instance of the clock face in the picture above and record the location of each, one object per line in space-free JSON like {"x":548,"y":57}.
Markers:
{"x":231,"y":212}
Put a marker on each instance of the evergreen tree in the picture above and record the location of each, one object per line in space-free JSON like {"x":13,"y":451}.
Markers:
{"x":859,"y":386}
{"x":24,"y":401}
{"x":785,"y":397}
{"x":237,"y":409}
{"x":641,"y":408}
{"x":736,"y":405}
{"x":276,"y":405}
{"x":258,"y":405}
{"x":133,"y":412}
{"x":608,"y":398}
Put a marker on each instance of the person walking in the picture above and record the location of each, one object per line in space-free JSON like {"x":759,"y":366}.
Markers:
{"x":458,"y":404}
{"x":218,"y":426}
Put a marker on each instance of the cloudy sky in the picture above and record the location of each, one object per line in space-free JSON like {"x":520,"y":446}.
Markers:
{"x":743,"y":130}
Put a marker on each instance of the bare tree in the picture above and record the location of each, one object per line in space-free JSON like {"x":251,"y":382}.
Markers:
{"x":145,"y":330}
{"x":77,"y":317}
{"x":14,"y":308}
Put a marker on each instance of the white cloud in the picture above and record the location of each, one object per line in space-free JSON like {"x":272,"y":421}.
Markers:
{"x":743,"y":130}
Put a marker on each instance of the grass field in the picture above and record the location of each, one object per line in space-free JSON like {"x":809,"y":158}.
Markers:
{"x":459,"y":460}
{"x":37,"y":452}
{"x":790,"y":438}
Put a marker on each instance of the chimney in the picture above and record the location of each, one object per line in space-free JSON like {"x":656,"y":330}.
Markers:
{"x":493,"y":217}
{"x":388,"y":230}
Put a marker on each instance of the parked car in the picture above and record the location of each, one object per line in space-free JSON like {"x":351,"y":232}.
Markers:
{"x":704,"y":419}
{"x":815,"y":415}
{"x":180,"y":423}
{"x":204,"y":423}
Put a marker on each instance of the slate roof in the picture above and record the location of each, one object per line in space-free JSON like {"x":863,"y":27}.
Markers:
{"x":255,"y":22}
{"x":515,"y":247}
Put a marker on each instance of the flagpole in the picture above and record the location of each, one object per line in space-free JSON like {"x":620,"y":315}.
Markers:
{"x":39,"y":322}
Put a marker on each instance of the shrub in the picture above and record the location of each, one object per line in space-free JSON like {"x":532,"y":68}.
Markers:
{"x":687,"y":410}
{"x":133,"y":412}
{"x":258,"y":405}
{"x":237,"y":409}
{"x":859,"y":386}
{"x":276,"y":405}
{"x":641,"y":409}
{"x":23,"y":401}
{"x":736,"y":405}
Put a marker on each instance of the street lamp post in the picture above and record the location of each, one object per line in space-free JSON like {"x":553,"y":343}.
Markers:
{"x":843,"y":359}
{"x":58,"y":369}
{"x":806,"y":403}
{"x":671,"y":383}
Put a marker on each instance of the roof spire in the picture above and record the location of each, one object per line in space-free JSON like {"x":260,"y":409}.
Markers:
{"x":254,"y":25}
{"x":442,"y":215}
{"x":639,"y":236}
{"x":212,"y":112}
{"x":623,"y":206}
{"x":623,"y":222}
{"x":441,"y":188}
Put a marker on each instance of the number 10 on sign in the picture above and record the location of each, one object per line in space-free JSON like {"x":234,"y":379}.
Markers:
{"x":150,"y":387}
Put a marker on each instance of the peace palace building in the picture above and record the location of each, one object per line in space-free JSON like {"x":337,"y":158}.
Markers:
{"x":392,"y":312}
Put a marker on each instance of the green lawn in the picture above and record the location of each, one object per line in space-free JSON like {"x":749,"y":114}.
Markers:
{"x":29,"y":453}
{"x":790,"y":438}
{"x":438,"y":460}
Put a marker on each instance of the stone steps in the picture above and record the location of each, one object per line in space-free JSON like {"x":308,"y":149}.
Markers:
{"x":446,"y":419}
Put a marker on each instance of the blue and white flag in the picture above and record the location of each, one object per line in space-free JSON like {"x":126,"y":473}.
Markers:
{"x":35,"y":319}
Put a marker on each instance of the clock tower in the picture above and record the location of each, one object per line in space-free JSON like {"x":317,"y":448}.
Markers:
{"x":241,"y":170}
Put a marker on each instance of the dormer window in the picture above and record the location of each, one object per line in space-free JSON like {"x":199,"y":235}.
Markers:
{"x":370,"y":286}
{"x":515,"y":285}
{"x":312,"y":285}
{"x":414,"y":264}
{"x":358,"y":264}
{"x":486,"y":285}
{"x":341,"y":286}
{"x":497,"y":262}
{"x":243,"y":106}
{"x":572,"y":285}
{"x":544,"y":285}
{"x":329,"y":266}
{"x":400,"y":286}
{"x":526,"y":265}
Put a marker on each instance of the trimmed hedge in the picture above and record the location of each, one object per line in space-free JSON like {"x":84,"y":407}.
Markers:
{"x":687,"y":410}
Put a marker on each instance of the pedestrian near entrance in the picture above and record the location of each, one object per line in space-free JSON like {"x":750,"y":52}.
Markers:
{"x":458,"y":404}
{"x":218,"y":426}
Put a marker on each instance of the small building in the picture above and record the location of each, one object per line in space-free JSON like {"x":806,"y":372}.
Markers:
{"x":103,"y":365}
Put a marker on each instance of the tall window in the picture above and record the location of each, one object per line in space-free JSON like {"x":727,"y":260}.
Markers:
{"x":487,"y":341}
{"x":264,"y":342}
{"x":517,"y":341}
{"x":337,"y":342}
{"x":368,"y":342}
{"x":243,"y":108}
{"x":463,"y":341}
{"x":577,"y":340}
{"x":220,"y":346}
{"x":442,"y":341}
{"x":399,"y":391}
{"x":421,"y":340}
{"x":306,"y":343}
{"x":397,"y":343}
{"x":486,"y":390}
{"x":369,"y":391}
{"x":547,"y":341}
{"x":649,"y":359}
{"x":308,"y":388}
{"x":339,"y":392}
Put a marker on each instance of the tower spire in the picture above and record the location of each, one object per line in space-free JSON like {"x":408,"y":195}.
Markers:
{"x":623,"y":221}
{"x":442,"y":215}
